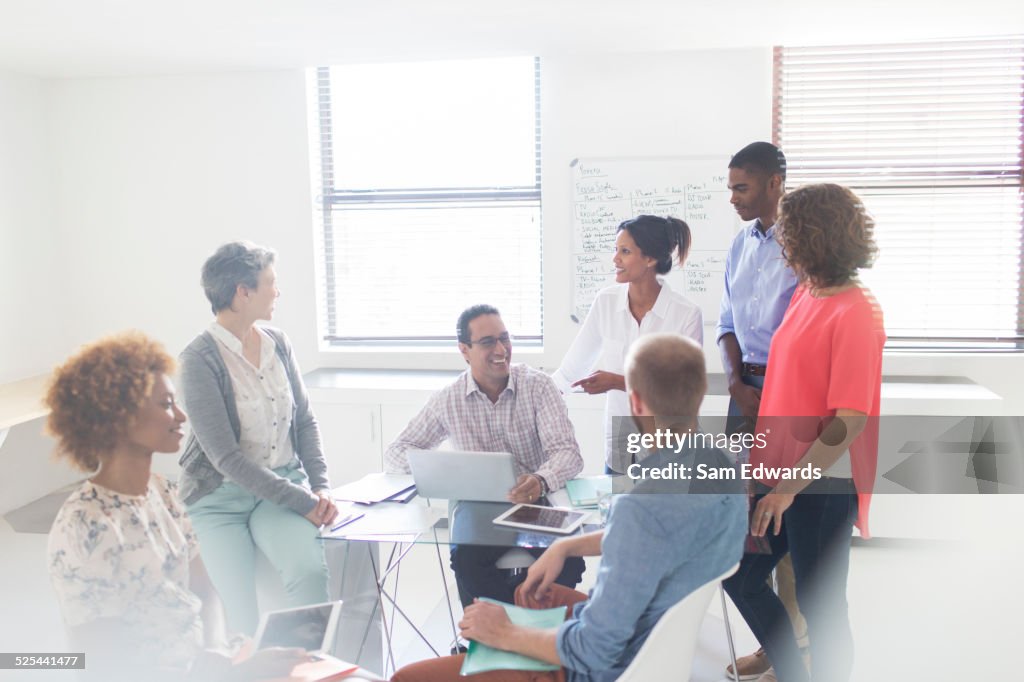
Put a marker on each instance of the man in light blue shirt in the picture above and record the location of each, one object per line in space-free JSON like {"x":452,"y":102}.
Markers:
{"x":758,"y":283}
{"x":758,"y":286}
{"x":663,"y":541}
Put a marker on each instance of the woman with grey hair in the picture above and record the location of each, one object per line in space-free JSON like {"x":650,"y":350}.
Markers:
{"x":253,"y":470}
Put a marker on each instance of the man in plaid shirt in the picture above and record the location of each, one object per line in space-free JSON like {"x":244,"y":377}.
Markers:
{"x":495,"y":406}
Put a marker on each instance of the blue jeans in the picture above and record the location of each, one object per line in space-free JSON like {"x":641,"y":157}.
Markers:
{"x":816,"y":532}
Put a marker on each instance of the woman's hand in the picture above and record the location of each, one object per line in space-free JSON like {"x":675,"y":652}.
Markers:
{"x":486,"y":623}
{"x":770,"y":508}
{"x":325,"y":510}
{"x":601,"y":382}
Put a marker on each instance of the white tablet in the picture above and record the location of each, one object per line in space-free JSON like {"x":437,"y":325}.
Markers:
{"x":311,"y":627}
{"x":543,"y":519}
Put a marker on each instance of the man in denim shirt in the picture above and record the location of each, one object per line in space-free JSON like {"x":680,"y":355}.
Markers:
{"x":659,"y":546}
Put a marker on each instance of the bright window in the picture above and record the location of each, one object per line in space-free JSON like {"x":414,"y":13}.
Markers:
{"x":429,"y":198}
{"x":929,"y":135}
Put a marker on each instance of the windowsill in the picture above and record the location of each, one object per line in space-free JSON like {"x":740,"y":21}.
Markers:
{"x":901,"y":395}
{"x":445,"y":349}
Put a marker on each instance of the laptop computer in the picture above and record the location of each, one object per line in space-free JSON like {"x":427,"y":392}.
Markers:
{"x":462,"y":474}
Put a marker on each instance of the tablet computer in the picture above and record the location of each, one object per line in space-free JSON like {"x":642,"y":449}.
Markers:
{"x":543,"y":519}
{"x":311,"y":627}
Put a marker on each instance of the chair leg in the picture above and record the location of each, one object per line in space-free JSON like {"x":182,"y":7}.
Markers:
{"x":728,"y":634}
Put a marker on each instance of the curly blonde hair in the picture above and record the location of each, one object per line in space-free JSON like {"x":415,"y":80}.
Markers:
{"x":96,"y":394}
{"x":826,"y":234}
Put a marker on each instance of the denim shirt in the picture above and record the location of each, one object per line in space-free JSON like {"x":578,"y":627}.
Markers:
{"x":660,"y":545}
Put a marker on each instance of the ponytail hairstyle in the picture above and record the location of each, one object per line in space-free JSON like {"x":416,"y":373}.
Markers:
{"x":659,"y":238}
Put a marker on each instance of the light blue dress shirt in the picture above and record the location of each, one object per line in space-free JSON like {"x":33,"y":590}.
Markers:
{"x":663,"y":541}
{"x":758,"y":286}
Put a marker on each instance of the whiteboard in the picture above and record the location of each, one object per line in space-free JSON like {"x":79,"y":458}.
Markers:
{"x":608,"y":191}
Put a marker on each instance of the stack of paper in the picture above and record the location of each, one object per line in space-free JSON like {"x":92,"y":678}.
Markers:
{"x":393,"y":520}
{"x":374,"y":488}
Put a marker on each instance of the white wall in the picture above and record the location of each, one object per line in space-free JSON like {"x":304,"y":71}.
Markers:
{"x":154,"y":173}
{"x":33,"y":288}
{"x":697,"y":103}
{"x":35,"y":294}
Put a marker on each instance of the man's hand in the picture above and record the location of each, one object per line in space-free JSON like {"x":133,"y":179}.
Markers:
{"x":536,"y":589}
{"x":601,"y":382}
{"x":770,"y":509}
{"x":325,"y":510}
{"x":747,"y":398}
{"x":486,"y":623}
{"x":527,"y":490}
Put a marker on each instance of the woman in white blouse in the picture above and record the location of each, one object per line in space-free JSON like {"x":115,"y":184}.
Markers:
{"x":253,"y":470}
{"x":639,"y":303}
{"x":123,"y":558}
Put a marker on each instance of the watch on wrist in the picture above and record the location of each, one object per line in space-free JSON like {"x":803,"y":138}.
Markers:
{"x":544,"y":489}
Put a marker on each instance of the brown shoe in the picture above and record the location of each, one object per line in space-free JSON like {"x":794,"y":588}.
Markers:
{"x":750,"y":667}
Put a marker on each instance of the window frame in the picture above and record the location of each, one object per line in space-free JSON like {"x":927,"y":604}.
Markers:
{"x":1010,"y":342}
{"x":329,"y":198}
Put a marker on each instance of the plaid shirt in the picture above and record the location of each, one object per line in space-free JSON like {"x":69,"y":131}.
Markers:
{"x":529,"y":420}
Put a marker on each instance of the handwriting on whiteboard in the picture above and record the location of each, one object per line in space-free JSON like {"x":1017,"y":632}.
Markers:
{"x":608,"y":192}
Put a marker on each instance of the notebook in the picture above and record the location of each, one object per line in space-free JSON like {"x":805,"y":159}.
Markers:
{"x":481,"y":658}
{"x":584,"y":492}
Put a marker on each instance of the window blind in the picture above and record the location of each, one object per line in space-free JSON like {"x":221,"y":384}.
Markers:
{"x":929,"y":135}
{"x":430,"y":198}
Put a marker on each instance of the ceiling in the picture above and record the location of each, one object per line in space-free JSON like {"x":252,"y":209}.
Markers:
{"x":92,"y":38}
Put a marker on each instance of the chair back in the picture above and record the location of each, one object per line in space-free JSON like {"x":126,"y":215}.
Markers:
{"x":668,"y":652}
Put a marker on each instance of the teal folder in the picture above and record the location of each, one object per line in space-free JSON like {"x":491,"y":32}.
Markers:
{"x":584,"y":492}
{"x":481,"y":658}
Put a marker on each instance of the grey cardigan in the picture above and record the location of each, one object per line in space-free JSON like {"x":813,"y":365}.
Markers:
{"x":212,"y":450}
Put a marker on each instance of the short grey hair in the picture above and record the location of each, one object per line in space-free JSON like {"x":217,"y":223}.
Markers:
{"x":233,"y":264}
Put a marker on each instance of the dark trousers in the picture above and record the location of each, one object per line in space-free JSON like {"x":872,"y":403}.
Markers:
{"x":735,"y":421}
{"x":477,"y":576}
{"x":816,"y":532}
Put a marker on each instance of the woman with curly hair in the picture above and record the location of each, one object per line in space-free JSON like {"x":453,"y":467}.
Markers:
{"x":640,"y":303}
{"x":818,"y":415}
{"x":123,"y":558}
{"x":253,"y":470}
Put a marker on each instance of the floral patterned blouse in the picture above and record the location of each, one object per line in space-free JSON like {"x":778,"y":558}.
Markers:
{"x":126,"y":557}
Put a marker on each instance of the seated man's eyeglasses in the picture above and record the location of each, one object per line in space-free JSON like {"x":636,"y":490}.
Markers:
{"x":492,"y":341}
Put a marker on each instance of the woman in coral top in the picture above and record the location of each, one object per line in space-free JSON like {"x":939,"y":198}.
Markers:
{"x":818,"y":417}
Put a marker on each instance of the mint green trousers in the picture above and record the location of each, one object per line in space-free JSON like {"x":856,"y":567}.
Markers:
{"x":231,"y":523}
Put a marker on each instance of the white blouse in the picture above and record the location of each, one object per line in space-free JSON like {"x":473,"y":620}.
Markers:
{"x":602,"y":343}
{"x":126,"y":557}
{"x":263,"y":397}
